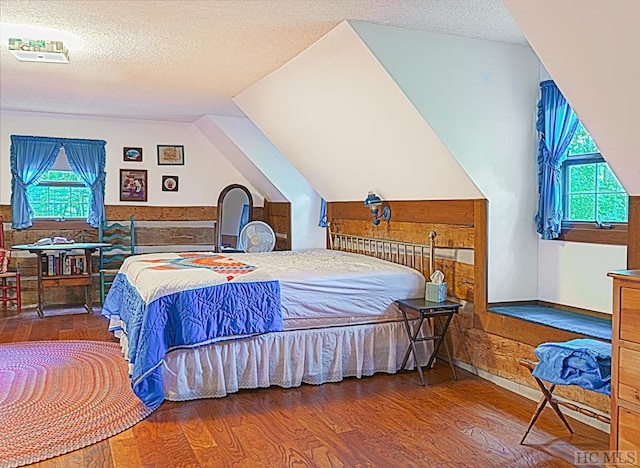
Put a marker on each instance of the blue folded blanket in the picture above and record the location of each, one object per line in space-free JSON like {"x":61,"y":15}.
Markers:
{"x":582,"y":362}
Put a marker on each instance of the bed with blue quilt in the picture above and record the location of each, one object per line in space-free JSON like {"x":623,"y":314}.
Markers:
{"x":205,"y":324}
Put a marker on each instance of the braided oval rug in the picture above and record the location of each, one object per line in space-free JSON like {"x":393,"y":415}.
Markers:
{"x":59,"y":396}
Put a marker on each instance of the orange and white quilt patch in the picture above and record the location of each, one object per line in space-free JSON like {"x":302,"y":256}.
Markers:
{"x":225,"y":266}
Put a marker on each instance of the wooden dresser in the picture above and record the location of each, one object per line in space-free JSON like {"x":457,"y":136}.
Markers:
{"x":625,"y":365}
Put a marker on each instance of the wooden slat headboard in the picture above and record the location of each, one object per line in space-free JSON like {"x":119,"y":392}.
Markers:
{"x":417,"y":256}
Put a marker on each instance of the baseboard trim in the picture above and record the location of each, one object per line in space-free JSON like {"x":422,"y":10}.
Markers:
{"x":535,"y":395}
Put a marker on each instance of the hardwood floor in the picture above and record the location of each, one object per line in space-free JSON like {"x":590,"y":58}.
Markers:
{"x":384,"y":420}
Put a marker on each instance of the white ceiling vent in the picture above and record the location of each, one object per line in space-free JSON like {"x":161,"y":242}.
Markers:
{"x":39,"y":50}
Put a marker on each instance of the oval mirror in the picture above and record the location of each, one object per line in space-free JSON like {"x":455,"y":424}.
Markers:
{"x":235,"y":209}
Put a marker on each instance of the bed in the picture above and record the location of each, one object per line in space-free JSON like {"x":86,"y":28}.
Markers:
{"x":202,"y":324}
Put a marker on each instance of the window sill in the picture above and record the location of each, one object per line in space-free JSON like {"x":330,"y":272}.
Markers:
{"x":534,"y":324}
{"x":590,"y":233}
{"x":573,"y":322}
{"x":52,"y":224}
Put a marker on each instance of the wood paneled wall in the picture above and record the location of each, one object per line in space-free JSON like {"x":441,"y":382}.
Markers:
{"x":148,"y":213}
{"x":158,"y":229}
{"x":278,"y":216}
{"x":633,"y":233}
{"x":162,"y":213}
{"x":486,"y":341}
{"x":5,"y":212}
{"x":411,"y":221}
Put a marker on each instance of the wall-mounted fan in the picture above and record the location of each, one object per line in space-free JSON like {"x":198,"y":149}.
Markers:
{"x":257,"y":236}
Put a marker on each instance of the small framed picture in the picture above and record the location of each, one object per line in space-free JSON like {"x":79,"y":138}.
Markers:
{"x":133,"y":185}
{"x":169,"y":183}
{"x":170,"y":155}
{"x":132,"y":154}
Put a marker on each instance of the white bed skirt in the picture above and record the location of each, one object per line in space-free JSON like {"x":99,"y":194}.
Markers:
{"x":287,"y":359}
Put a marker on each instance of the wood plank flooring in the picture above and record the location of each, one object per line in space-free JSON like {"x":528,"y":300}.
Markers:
{"x":384,"y":420}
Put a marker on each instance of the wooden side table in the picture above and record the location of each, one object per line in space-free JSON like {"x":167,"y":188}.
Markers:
{"x":428,"y":310}
{"x":83,"y":278}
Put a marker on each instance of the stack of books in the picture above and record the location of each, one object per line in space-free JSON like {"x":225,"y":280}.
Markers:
{"x":63,"y":263}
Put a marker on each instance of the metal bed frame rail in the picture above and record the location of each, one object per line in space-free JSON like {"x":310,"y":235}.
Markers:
{"x":403,"y":253}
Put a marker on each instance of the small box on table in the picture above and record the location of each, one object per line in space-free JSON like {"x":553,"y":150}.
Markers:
{"x":435,"y":292}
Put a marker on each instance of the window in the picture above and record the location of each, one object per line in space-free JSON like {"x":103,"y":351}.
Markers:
{"x":42,"y":178}
{"x":60,"y":194}
{"x":592,"y":192}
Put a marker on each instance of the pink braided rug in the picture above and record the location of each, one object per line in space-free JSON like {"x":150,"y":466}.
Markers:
{"x":59,"y":396}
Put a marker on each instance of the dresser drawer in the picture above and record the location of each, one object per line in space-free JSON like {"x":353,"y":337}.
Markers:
{"x":628,"y":433}
{"x":630,"y":314}
{"x":629,"y":376}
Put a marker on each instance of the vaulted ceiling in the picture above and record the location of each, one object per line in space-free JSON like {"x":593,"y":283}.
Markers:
{"x":178,"y":61}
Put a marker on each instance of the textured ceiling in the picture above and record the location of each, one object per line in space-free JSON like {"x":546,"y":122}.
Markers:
{"x":177,"y":61}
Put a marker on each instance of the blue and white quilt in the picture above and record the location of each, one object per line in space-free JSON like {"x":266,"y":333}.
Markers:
{"x":168,"y":301}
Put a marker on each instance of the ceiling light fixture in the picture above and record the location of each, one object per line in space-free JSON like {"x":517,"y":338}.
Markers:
{"x":39,"y":50}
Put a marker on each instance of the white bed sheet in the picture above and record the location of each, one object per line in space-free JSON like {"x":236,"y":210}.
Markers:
{"x":324,"y":287}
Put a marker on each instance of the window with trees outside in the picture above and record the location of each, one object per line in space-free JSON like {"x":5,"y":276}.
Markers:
{"x":592,"y":192}
{"x":60,"y":194}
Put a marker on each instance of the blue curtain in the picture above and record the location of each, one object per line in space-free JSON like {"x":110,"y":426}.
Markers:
{"x":31,"y":158}
{"x":244,"y":218}
{"x":322,"y":222}
{"x":87,"y":159}
{"x":556,"y":124}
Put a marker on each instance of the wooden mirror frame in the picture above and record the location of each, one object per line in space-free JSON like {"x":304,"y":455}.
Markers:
{"x":224,"y":192}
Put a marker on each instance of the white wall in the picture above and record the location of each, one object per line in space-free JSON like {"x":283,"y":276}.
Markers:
{"x":205,"y":172}
{"x":210,"y":129}
{"x":575,"y":274}
{"x":591,"y":50}
{"x":341,"y":120}
{"x":250,"y":150}
{"x":479,"y":97}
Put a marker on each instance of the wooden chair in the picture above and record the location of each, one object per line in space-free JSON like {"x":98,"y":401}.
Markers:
{"x":122,"y":240}
{"x":9,"y":280}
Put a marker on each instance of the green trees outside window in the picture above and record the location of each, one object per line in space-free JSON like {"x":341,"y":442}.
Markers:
{"x":592,"y":192}
{"x":60,"y":195}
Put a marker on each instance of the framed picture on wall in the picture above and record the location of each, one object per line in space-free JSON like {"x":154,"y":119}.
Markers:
{"x":170,"y":155}
{"x":169,"y":183}
{"x":132,"y":154}
{"x":133,"y":185}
